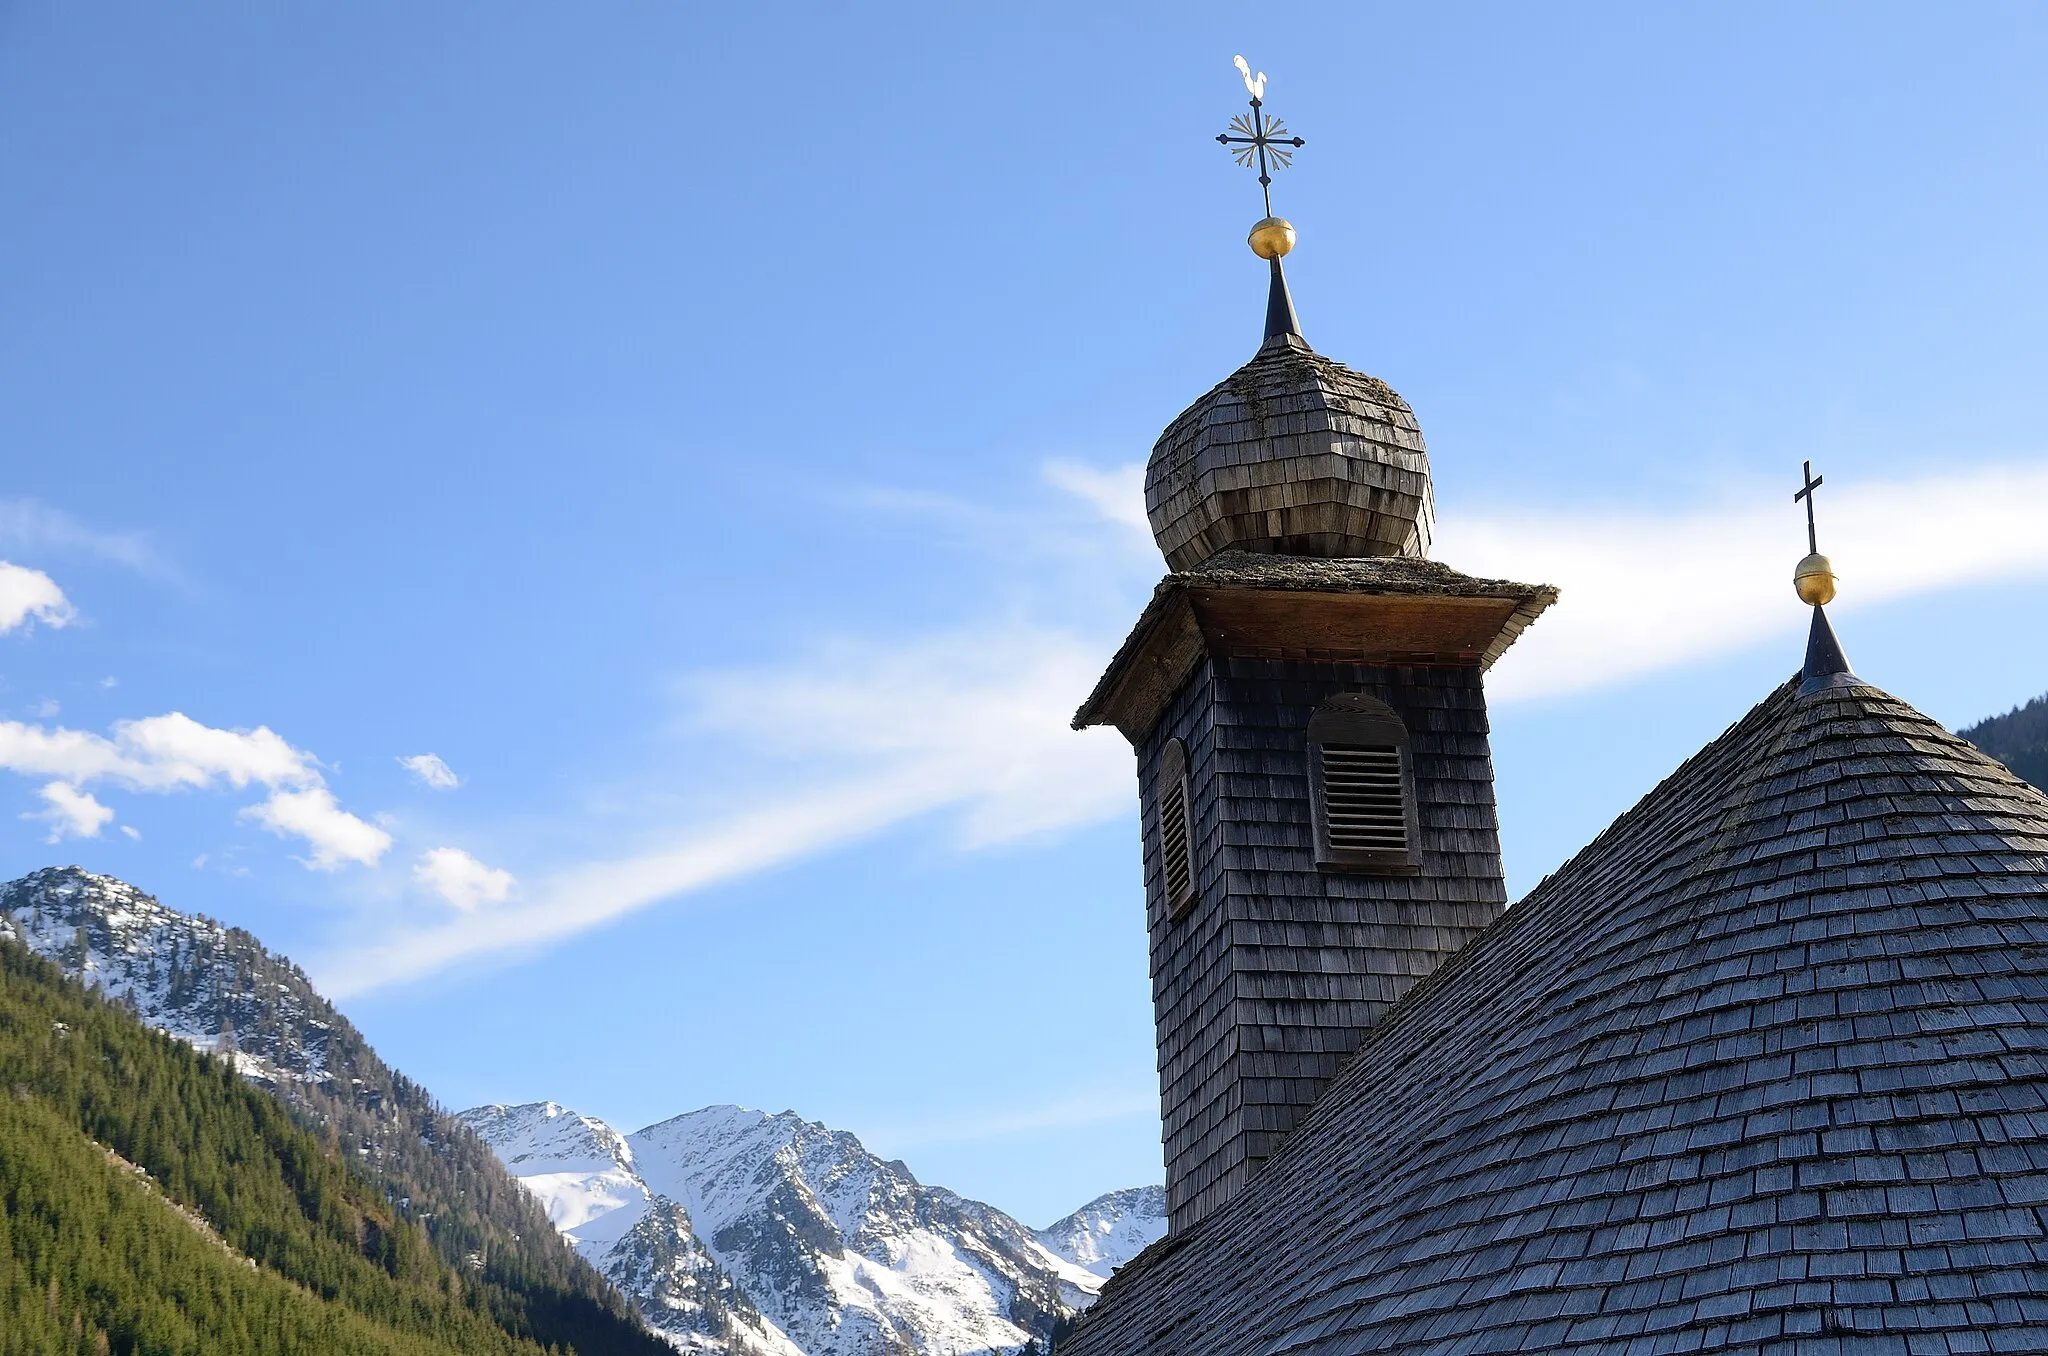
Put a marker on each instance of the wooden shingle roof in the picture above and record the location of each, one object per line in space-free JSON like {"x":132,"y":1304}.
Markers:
{"x":1763,"y":1069}
{"x":1292,"y":453}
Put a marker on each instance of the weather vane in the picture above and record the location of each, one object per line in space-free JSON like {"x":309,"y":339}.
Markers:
{"x":1261,"y":140}
{"x":1814,"y":577}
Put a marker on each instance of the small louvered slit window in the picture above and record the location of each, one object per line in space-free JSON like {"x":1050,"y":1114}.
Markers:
{"x":1361,"y":787}
{"x":1362,"y":795}
{"x":1173,"y":840}
{"x":1176,"y":844}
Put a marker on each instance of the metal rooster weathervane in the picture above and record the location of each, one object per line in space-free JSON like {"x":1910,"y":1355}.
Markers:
{"x":1262,"y":141}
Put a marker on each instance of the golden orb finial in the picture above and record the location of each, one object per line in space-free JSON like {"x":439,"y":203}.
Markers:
{"x":1814,"y":580}
{"x":1272,"y":237}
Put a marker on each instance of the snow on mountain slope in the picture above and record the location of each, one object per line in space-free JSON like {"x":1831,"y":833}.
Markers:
{"x":212,"y":986}
{"x":1110,"y":1230}
{"x":582,"y":1172}
{"x":580,"y":1168}
{"x":836,"y":1251}
{"x":847,"y":1254}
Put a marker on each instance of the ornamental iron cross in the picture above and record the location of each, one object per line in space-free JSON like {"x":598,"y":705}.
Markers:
{"x":1262,"y":140}
{"x":1813,"y":482}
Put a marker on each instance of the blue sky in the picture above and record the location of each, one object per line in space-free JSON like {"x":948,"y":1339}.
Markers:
{"x":710,"y":432}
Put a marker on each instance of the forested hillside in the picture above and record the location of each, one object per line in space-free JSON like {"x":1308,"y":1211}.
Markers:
{"x":2019,"y":739}
{"x":219,"y":989}
{"x":276,"y":1244}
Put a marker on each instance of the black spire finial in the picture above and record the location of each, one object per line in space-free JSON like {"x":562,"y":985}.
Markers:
{"x":1826,"y":665}
{"x":1280,"y":318}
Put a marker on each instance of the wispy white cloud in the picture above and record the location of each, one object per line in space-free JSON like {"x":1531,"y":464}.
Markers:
{"x":975,"y":720}
{"x":431,"y":771}
{"x":460,"y":879}
{"x":1118,"y":494}
{"x":855,"y":740}
{"x":29,"y":526}
{"x":28,"y":595}
{"x":70,"y":813}
{"x":173,"y":752}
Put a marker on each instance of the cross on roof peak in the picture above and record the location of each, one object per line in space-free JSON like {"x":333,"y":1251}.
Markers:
{"x":1261,"y":141}
{"x":1812,"y":483}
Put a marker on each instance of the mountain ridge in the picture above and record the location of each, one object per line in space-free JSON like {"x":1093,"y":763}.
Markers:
{"x":836,"y":1251}
{"x":217,"y":989}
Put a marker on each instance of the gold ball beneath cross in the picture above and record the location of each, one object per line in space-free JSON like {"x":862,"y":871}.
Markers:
{"x":1814,"y":579}
{"x":1272,"y":237}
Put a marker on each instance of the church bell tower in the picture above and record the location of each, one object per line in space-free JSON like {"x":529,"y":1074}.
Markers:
{"x":1304,"y":693}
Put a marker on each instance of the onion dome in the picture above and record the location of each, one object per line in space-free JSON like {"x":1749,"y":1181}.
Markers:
{"x":1292,"y":455}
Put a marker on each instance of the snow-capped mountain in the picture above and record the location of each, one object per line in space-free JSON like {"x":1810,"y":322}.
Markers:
{"x":581,"y":1170}
{"x":768,"y":1235}
{"x":212,"y":986}
{"x":1110,"y":1230}
{"x":733,"y":1232}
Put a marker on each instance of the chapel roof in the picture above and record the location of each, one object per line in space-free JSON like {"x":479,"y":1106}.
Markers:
{"x":1764,"y":1067}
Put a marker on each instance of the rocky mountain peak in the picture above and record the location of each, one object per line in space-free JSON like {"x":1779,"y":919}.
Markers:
{"x":833,"y":1250}
{"x":210,"y":985}
{"x":1110,"y":1230}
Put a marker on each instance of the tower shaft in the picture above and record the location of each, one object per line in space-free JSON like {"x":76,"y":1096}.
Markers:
{"x":1312,"y":734}
{"x":1266,"y":982}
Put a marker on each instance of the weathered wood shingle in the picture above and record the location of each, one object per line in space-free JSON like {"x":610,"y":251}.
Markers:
{"x":1267,"y":983}
{"x":1291,"y":453}
{"x":1763,"y":1069}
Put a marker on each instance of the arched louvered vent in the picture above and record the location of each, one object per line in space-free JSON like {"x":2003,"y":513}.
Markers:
{"x":1176,"y":843}
{"x":1361,"y":789}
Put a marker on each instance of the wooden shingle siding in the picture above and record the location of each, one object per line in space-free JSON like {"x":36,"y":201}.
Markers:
{"x":1268,"y":981}
{"x":1763,"y":1071}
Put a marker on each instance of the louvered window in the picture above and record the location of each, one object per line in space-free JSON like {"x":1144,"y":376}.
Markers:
{"x":1176,"y":842}
{"x":1362,"y":798}
{"x":1361,"y":788}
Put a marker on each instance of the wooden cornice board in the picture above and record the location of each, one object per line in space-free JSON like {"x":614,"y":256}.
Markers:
{"x":1192,"y":616}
